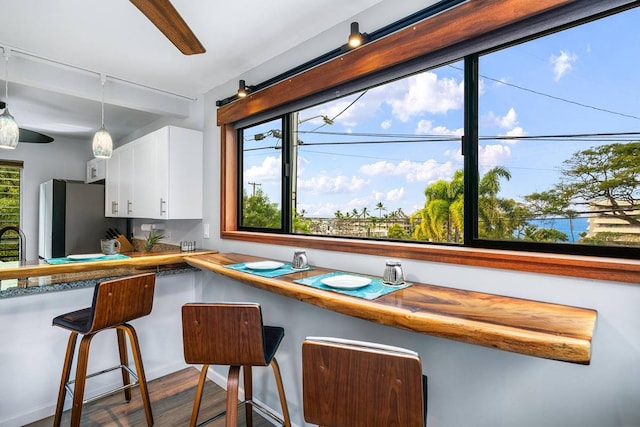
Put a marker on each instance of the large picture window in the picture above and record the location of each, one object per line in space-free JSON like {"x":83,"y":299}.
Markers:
{"x":557,"y":151}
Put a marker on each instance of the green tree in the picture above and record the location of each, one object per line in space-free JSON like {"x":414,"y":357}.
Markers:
{"x":397,"y":232}
{"x":380,"y":206}
{"x":258,"y":211}
{"x":497,"y":217}
{"x":441,"y":219}
{"x":607,"y":173}
{"x":301,"y":224}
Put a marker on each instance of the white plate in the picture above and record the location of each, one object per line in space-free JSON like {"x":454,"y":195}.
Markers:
{"x":263,"y":265}
{"x":345,"y":281}
{"x":85,"y":256}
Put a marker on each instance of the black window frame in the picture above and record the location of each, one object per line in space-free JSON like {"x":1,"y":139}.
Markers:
{"x":470,"y":149}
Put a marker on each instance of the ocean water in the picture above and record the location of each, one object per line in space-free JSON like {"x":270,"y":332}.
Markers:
{"x":564,"y":225}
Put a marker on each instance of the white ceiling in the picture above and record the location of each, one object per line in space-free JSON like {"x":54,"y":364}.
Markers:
{"x":59,"y":49}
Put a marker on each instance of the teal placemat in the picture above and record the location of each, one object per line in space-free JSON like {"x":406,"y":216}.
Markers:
{"x":285,"y":269}
{"x":65,"y":260}
{"x":373,"y":290}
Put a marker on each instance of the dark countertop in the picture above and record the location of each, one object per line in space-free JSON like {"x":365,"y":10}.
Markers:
{"x":38,"y":277}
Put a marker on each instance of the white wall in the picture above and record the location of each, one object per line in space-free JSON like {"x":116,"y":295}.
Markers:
{"x":32,"y":350}
{"x":62,"y":159}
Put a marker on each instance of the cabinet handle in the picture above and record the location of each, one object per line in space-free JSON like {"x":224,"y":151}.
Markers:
{"x":163,"y":208}
{"x":129,"y":204}
{"x":114,"y":207}
{"x":94,"y":173}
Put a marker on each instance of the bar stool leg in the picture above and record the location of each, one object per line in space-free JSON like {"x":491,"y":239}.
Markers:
{"x":81,"y":378}
{"x":283,"y":398}
{"x":232,"y":396}
{"x":66,"y":372}
{"x":248,"y":395}
{"x":198,"y":399}
{"x":142,"y":380}
{"x":124,"y":361}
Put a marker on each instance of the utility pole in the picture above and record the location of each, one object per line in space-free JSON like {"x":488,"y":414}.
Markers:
{"x":254,"y":185}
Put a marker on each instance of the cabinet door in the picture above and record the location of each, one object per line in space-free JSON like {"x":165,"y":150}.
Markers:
{"x":96,"y":170}
{"x":126,"y":202}
{"x":112,"y":185}
{"x":150,"y":175}
{"x":185,"y":173}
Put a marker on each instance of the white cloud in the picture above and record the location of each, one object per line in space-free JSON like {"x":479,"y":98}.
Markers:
{"x":427,"y":94}
{"x":426,"y":127}
{"x":395,"y":194}
{"x":269,"y":170}
{"x":427,"y":171}
{"x":508,"y":120}
{"x":516,"y":131}
{"x":562,"y":64}
{"x":493,"y":155}
{"x":385,"y":124}
{"x":323,"y":184}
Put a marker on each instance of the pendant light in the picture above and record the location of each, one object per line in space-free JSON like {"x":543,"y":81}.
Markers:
{"x":9,"y":131}
{"x":102,"y":143}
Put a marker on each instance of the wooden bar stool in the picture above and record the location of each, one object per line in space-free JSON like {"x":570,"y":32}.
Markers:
{"x":115,"y":302}
{"x":348,"y":383}
{"x":232,"y":334}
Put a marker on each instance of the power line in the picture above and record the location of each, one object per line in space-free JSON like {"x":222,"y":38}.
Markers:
{"x":557,"y":98}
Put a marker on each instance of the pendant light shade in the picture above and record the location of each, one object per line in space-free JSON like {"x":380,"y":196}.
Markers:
{"x":102,"y":142}
{"x":9,"y":131}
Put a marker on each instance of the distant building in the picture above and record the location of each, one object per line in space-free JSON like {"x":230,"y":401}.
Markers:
{"x":602,"y":220}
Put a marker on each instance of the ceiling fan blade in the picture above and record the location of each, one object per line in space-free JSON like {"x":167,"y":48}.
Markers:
{"x":26,"y":135}
{"x":164,"y":16}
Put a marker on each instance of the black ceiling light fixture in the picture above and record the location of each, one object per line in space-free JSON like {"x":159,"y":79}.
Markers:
{"x":242,"y":89}
{"x":356,"y":38}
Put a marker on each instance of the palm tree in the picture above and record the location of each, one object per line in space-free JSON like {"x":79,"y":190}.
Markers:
{"x":380,"y":206}
{"x":441,"y":219}
{"x":496,"y":216}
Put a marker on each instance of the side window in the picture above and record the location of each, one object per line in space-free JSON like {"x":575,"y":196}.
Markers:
{"x":261,"y":175}
{"x":10,"y":185}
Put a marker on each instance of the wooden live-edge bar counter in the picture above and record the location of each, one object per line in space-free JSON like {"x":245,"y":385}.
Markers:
{"x":38,"y":277}
{"x":523,"y":326}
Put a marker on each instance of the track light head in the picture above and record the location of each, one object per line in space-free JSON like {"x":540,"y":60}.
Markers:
{"x":356,"y":38}
{"x":243,"y":90}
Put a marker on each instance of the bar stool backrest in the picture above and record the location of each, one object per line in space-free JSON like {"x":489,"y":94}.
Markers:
{"x":350,"y":383}
{"x":121,"y":300}
{"x":223,"y":334}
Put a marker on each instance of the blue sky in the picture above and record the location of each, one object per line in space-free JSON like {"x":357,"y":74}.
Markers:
{"x":585,"y":79}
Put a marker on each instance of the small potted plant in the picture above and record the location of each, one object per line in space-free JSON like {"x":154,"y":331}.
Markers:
{"x":152,"y":239}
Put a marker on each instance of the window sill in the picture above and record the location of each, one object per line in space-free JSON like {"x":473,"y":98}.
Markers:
{"x":610,"y":269}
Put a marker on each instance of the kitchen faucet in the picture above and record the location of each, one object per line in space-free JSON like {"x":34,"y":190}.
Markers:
{"x":21,"y":241}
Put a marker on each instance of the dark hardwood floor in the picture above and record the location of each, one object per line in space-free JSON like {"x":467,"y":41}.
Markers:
{"x":171,"y":402}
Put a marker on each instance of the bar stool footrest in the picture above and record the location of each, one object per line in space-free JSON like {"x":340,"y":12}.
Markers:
{"x":132,"y":384}
{"x":256,"y":405}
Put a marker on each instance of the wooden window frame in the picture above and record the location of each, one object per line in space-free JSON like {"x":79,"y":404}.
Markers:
{"x":469,"y":25}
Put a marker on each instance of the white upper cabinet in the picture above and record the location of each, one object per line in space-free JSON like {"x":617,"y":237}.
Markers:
{"x":165,"y":176}
{"x":96,"y":170}
{"x":119,"y":183}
